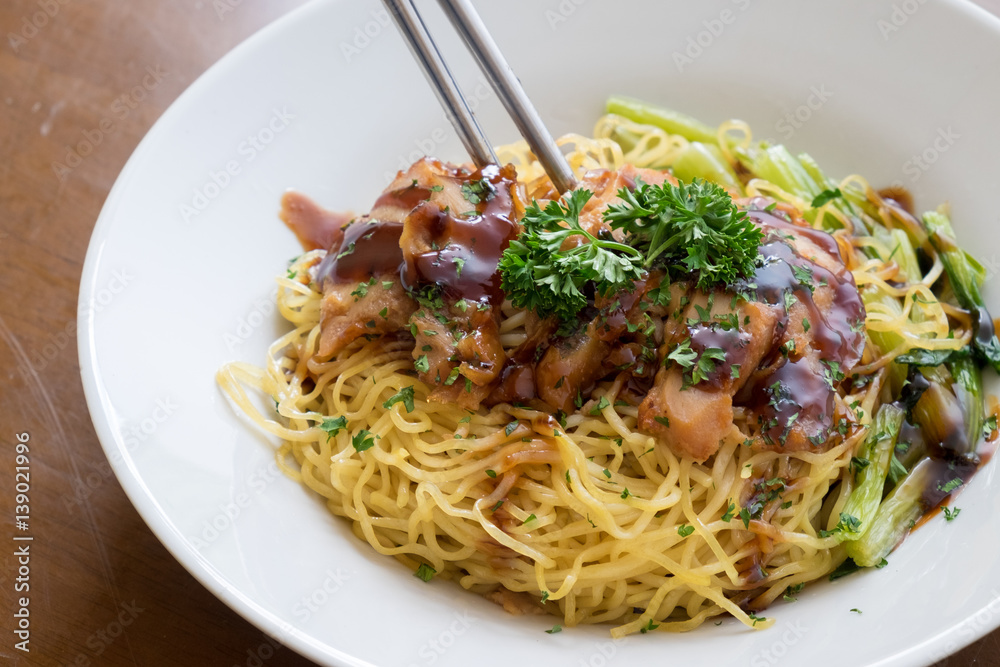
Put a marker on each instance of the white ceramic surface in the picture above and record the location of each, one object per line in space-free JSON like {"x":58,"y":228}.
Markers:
{"x":179,"y":280}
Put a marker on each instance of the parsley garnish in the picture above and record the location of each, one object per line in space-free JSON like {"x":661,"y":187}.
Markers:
{"x":363,"y":440}
{"x":692,"y":227}
{"x":825,"y":197}
{"x":477,"y":191}
{"x":404,"y":396}
{"x":688,"y":227}
{"x":989,"y":426}
{"x":951,"y":486}
{"x":422,"y":364}
{"x":538,"y":275}
{"x":730,"y":512}
{"x":603,"y":403}
{"x":847,"y":524}
{"x":333,"y":426}
{"x":792,"y":591}
{"x":684,"y":530}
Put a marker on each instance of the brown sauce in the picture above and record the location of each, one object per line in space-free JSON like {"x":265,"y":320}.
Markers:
{"x":457,"y":251}
{"x":798,"y":391}
{"x":899,"y":196}
{"x":466,"y":246}
{"x":314,"y":226}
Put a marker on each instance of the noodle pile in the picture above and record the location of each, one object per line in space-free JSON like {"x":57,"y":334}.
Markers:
{"x":589,"y":519}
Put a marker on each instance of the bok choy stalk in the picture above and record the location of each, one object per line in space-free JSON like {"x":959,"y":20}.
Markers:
{"x":872,"y":464}
{"x":672,"y":122}
{"x":951,"y":418}
{"x":700,"y":159}
{"x":894,"y":518}
{"x":965,"y":276}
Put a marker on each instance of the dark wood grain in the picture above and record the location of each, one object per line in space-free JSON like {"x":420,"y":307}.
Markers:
{"x":104,"y":591}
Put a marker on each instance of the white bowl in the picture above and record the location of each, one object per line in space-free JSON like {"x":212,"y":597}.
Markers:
{"x":179,"y":280}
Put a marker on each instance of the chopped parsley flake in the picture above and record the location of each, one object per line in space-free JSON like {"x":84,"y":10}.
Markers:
{"x":422,"y":364}
{"x":404,"y":396}
{"x":951,"y":485}
{"x":363,"y":440}
{"x":603,"y":403}
{"x":826,"y":197}
{"x":333,"y":426}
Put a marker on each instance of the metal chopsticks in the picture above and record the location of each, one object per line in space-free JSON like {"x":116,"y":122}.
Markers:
{"x":478,"y":40}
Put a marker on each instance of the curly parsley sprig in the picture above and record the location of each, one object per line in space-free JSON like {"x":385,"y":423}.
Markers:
{"x":537,"y":274}
{"x":694,"y":228}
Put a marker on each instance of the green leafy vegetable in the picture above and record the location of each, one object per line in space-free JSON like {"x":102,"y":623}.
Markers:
{"x":425,"y":572}
{"x":922,"y":357}
{"x":693,"y":227}
{"x":538,"y":275}
{"x":404,"y":396}
{"x":363,"y":440}
{"x":825,"y":197}
{"x":333,"y":426}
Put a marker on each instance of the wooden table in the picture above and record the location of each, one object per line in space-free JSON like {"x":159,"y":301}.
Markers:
{"x":104,"y":591}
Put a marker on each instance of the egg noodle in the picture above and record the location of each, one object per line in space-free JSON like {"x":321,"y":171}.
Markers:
{"x":589,"y":520}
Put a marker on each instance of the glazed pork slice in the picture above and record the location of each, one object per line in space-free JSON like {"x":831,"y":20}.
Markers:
{"x":436,"y":231}
{"x":706,"y":362}
{"x":779,"y":346}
